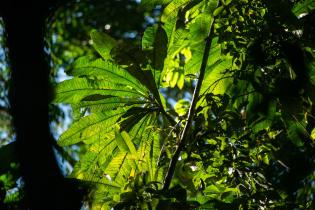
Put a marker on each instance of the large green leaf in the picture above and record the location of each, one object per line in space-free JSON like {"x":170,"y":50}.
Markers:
{"x":179,"y":41}
{"x":217,"y":79}
{"x":200,"y":28}
{"x":76,"y":89}
{"x":106,"y":70}
{"x":194,"y":64}
{"x":147,"y":78}
{"x":155,"y":39}
{"x":133,"y":116}
{"x":124,"y":142}
{"x":109,"y":103}
{"x":172,"y":8}
{"x":90,"y":127}
{"x":119,"y":169}
{"x":137,"y":130}
{"x":149,"y":152}
{"x":91,"y":165}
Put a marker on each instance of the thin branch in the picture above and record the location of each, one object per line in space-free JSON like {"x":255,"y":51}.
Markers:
{"x":298,"y":122}
{"x":311,"y":116}
{"x":215,"y":83}
{"x":62,"y":152}
{"x":191,"y":113}
{"x":167,"y":137}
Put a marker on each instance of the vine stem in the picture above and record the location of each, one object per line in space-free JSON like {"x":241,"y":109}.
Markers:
{"x":191,"y":112}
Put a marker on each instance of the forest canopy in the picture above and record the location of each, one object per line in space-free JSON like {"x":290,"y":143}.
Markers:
{"x":239,"y":132}
{"x":209,"y":107}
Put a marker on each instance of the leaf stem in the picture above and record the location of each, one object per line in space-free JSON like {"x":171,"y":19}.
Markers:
{"x":191,"y":112}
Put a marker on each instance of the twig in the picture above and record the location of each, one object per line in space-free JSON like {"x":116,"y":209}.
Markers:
{"x":167,"y":137}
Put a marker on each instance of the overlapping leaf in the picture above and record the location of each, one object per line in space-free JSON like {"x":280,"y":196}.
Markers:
{"x":103,"y":43}
{"x":74,"y":90}
{"x":90,"y":127}
{"x":171,"y":10}
{"x":155,"y":39}
{"x":109,"y":103}
{"x":106,"y":70}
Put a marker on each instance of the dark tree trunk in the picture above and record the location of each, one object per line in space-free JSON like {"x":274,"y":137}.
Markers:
{"x":30,"y":94}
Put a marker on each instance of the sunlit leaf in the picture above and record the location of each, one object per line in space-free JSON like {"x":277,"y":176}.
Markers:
{"x":124,"y":141}
{"x":90,"y":127}
{"x":303,"y":7}
{"x":102,"y":43}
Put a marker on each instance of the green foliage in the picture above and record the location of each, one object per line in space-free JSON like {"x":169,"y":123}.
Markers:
{"x":11,"y":193}
{"x":303,"y":7}
{"x":251,"y":142}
